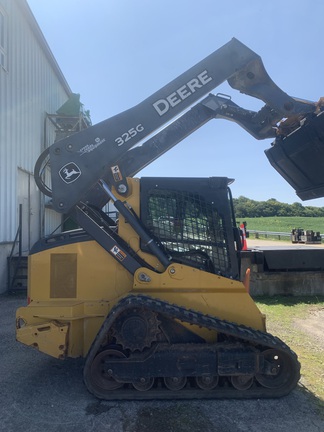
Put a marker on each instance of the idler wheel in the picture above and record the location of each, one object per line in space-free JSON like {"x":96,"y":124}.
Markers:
{"x":100,"y":377}
{"x":281,"y":369}
{"x":143,"y":384}
{"x":242,"y":382}
{"x":175,"y":383}
{"x":207,"y":382}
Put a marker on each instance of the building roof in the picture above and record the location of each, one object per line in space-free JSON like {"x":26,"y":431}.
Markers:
{"x":42,"y":41}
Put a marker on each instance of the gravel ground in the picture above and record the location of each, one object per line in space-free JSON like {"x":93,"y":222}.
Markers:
{"x":39,"y":393}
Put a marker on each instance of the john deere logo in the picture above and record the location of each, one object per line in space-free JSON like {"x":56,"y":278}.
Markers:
{"x":70,"y":172}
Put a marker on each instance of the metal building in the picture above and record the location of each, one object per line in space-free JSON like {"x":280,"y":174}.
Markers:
{"x":31,"y":86}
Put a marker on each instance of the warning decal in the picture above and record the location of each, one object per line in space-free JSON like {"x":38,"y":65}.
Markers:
{"x":116,"y":173}
{"x":119,"y":254}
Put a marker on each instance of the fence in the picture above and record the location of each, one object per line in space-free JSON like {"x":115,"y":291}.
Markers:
{"x":268,"y":234}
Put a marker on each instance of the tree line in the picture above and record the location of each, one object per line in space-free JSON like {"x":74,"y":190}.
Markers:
{"x":246,"y":207}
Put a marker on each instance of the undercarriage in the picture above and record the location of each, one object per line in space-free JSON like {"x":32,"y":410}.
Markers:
{"x":146,"y":350}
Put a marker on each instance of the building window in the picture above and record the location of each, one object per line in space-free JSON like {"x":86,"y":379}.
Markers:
{"x":3,"y":40}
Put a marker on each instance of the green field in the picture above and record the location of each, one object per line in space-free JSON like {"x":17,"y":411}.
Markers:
{"x":285,"y":224}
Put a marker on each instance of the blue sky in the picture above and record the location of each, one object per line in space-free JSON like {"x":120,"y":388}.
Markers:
{"x":115,"y":53}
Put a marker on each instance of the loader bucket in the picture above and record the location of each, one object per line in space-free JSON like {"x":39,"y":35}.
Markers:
{"x":299,"y":157}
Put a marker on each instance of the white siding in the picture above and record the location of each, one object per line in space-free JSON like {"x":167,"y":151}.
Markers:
{"x":31,"y":85}
{"x":29,"y":88}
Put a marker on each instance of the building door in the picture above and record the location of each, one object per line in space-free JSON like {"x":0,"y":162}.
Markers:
{"x":28,"y":196}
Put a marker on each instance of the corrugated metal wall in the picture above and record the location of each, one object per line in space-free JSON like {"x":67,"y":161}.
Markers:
{"x":29,"y":87}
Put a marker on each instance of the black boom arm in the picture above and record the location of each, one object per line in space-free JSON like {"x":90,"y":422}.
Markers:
{"x":122,"y":145}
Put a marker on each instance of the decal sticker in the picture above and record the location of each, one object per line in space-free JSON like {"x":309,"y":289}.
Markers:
{"x":70,"y":172}
{"x":162,"y":106}
{"x":131,"y":133}
{"x":119,"y":254}
{"x":90,"y":147}
{"x":116,"y":173}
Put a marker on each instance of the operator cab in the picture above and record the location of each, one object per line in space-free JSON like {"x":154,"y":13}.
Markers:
{"x":193,"y":220}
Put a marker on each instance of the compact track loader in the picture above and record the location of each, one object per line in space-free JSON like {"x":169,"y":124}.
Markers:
{"x":154,"y":299}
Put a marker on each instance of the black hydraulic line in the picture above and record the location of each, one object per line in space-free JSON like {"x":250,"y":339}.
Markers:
{"x":107,"y":241}
{"x":124,"y":210}
{"x":39,"y":170}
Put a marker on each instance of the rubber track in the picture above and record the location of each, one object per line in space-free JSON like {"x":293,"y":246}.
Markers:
{"x":245,"y":334}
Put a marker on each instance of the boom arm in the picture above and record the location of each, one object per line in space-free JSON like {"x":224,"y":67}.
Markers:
{"x":108,"y":150}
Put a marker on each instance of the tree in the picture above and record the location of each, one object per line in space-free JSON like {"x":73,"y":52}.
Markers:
{"x":245,"y":207}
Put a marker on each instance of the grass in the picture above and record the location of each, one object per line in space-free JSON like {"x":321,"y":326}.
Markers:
{"x":285,"y":224}
{"x":282,"y":313}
